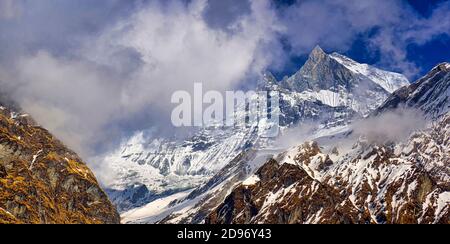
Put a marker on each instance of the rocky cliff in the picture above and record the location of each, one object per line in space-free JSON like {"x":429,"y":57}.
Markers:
{"x":42,"y":181}
{"x":353,"y":179}
{"x":329,"y":91}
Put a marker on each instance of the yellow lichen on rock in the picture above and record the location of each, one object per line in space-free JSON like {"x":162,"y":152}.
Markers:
{"x":42,"y":181}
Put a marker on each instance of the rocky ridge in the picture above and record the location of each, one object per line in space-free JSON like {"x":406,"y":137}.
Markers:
{"x":44,"y":182}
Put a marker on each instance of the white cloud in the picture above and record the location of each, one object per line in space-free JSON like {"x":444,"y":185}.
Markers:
{"x":393,"y":26}
{"x":9,"y":9}
{"x":391,"y":126}
{"x":423,"y":30}
{"x":129,"y":72}
{"x":336,"y":24}
{"x":98,"y":77}
{"x":177,"y":48}
{"x":69,"y":97}
{"x":393,"y":52}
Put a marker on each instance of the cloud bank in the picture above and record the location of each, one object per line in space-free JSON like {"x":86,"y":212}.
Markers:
{"x":93,"y":72}
{"x":122,"y":78}
{"x":391,"y":126}
{"x":9,"y":9}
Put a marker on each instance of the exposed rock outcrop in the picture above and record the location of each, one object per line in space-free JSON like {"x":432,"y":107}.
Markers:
{"x":42,"y":181}
{"x":405,"y":183}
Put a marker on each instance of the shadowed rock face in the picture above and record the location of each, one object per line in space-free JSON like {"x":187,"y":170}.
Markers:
{"x":285,"y":194}
{"x":390,"y":183}
{"x":370,"y":184}
{"x":323,"y":72}
{"x":41,"y":181}
{"x":429,"y":94}
{"x":331,"y":90}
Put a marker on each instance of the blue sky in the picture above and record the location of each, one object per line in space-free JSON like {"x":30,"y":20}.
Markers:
{"x":424,"y":56}
{"x":94,"y":72}
{"x":58,"y":25}
{"x":437,"y":50}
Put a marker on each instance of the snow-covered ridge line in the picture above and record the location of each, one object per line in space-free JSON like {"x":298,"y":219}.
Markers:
{"x":166,"y":165}
{"x":390,"y":81}
{"x":366,"y":183}
{"x":446,"y":65}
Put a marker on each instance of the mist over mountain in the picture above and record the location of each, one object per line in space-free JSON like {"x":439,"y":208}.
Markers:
{"x":312,"y":109}
{"x":94,"y":73}
{"x":360,"y":180}
{"x":357,"y":96}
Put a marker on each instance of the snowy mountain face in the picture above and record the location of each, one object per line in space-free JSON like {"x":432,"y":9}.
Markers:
{"x":329,"y":92}
{"x":147,"y":170}
{"x":356,"y":180}
{"x":401,"y":183}
{"x":431,"y":94}
{"x":338,"y":177}
{"x":389,"y":81}
{"x":336,"y":80}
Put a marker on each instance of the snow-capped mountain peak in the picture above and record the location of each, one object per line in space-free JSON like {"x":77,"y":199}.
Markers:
{"x":317,"y":54}
{"x":323,"y":91}
{"x":335,"y":71}
{"x":336,"y":80}
{"x":390,"y":81}
{"x":445,"y":66}
{"x":354,"y":179}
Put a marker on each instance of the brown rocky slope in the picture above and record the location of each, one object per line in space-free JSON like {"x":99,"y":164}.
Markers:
{"x":42,"y":181}
{"x":371,"y":176}
{"x":407,"y":183}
